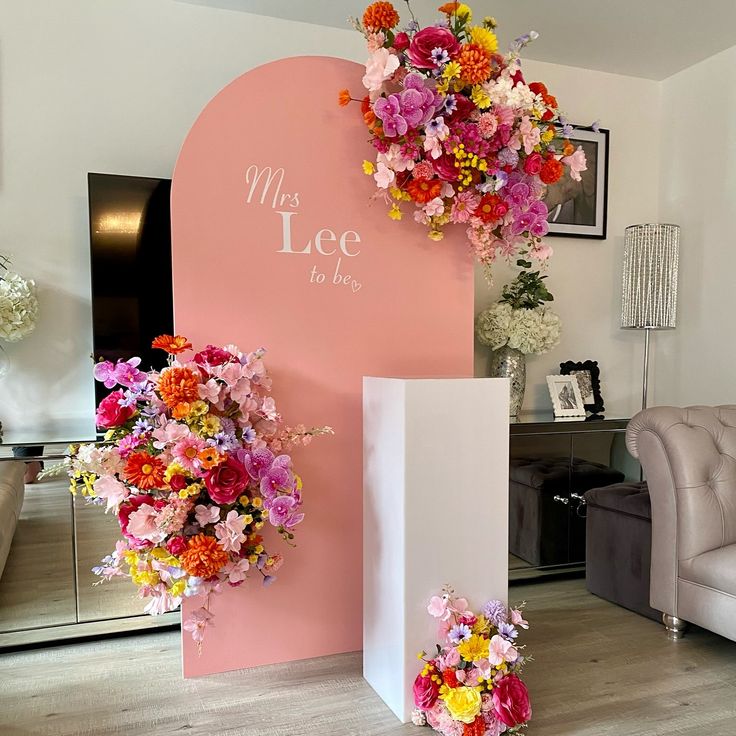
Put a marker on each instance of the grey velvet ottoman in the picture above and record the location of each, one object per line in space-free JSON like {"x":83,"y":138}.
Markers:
{"x":618,"y":546}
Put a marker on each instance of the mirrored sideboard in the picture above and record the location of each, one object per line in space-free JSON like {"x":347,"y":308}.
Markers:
{"x":49,"y":543}
{"x":553,"y":462}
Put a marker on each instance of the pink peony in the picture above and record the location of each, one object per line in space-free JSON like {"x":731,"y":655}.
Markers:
{"x":176,"y":545}
{"x":128,"y":507}
{"x":226,"y":481}
{"x":110,"y":413}
{"x":213,"y":355}
{"x":426,"y":692}
{"x":427,"y":40}
{"x":380,"y":66}
{"x":511,"y":701}
{"x":533,"y":164}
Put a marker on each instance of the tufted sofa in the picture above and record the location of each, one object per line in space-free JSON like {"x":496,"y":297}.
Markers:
{"x":689,"y":458}
{"x":11,"y":501}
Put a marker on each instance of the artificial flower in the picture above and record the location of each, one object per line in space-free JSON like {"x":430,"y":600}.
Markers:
{"x":380,"y":66}
{"x":511,"y":701}
{"x":144,"y":471}
{"x":380,"y":16}
{"x":203,"y":556}
{"x":463,"y":703}
{"x":111,"y":413}
{"x":424,"y":42}
{"x":177,"y":385}
{"x":172,"y":344}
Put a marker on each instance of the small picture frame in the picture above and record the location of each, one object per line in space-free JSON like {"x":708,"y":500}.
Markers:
{"x":565,"y":394}
{"x":589,"y":380}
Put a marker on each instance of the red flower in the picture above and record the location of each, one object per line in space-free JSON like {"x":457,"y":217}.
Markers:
{"x":464,"y":108}
{"x":450,"y":678}
{"x":176,"y":545}
{"x":401,"y":41}
{"x":538,"y":88}
{"x":445,"y":167}
{"x":177,"y":482}
{"x":511,"y":701}
{"x":425,"y":41}
{"x":551,"y":103}
{"x":426,"y":692}
{"x":533,"y":164}
{"x":110,"y":413}
{"x":212,"y":355}
{"x":424,"y":190}
{"x":551,"y":171}
{"x":476,"y":728}
{"x":226,"y":481}
{"x":491,"y":208}
{"x":144,"y":471}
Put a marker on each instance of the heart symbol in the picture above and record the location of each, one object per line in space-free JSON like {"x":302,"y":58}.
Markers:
{"x":356,"y":286}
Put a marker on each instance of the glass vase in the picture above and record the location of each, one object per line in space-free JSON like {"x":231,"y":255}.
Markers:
{"x":510,"y":363}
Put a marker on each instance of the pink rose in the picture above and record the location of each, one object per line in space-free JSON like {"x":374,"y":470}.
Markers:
{"x":176,"y":545}
{"x":511,"y":701}
{"x":533,"y":164}
{"x":426,"y":692}
{"x":177,"y":482}
{"x":226,"y":481}
{"x":428,"y":39}
{"x":110,"y":413}
{"x":131,"y":504}
{"x":213,"y":355}
{"x":401,"y":41}
{"x":445,"y":167}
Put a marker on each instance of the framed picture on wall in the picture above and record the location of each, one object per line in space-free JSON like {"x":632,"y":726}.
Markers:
{"x":589,"y":380}
{"x":565,"y":394}
{"x":578,"y":209}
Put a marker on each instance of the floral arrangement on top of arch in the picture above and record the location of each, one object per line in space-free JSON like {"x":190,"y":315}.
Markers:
{"x":197,"y":463}
{"x":460,"y":136}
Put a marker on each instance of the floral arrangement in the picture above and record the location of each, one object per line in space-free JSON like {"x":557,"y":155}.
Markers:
{"x":18,"y":307}
{"x":471,"y":687}
{"x":196,"y":465}
{"x":520,"y":319}
{"x":460,"y":136}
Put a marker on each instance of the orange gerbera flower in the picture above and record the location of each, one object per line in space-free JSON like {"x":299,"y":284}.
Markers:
{"x":178,"y":385}
{"x":380,"y":16}
{"x":173,"y":344}
{"x":343,"y":97}
{"x":449,"y":8}
{"x":209,"y":457}
{"x":423,"y":190}
{"x":145,"y":471}
{"x":568,"y":149}
{"x":203,"y":557}
{"x":475,"y":63}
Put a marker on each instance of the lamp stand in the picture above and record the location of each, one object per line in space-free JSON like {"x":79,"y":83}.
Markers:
{"x":645,"y":386}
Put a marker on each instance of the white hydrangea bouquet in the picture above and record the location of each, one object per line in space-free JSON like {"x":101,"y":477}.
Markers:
{"x":18,"y":305}
{"x":520,"y":319}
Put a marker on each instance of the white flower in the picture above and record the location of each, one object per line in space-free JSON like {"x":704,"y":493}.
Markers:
{"x":528,"y":330}
{"x":384,"y":176}
{"x":379,"y":67}
{"x":18,"y":307}
{"x":418,"y":718}
{"x":503,"y":91}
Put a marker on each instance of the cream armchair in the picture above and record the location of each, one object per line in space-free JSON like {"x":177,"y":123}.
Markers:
{"x":689,"y":459}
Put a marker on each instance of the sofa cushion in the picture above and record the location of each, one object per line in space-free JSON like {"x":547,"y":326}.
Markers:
{"x":555,"y":474}
{"x":626,"y":498}
{"x":715,"y":569}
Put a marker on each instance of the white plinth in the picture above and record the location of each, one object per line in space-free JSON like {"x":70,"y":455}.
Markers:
{"x":435,"y":512}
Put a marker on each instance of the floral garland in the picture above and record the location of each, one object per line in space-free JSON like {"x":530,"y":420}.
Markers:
{"x":197,"y":465}
{"x":471,"y":687}
{"x":18,"y":307}
{"x":459,"y":134}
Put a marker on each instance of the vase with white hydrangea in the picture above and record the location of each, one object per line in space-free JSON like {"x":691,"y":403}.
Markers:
{"x":18,"y":308}
{"x":517,"y":325}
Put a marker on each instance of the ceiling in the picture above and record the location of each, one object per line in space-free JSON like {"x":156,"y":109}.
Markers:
{"x":642,"y":38}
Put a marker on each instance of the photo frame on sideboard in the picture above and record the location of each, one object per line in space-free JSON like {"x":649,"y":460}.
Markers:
{"x":589,"y":380}
{"x":567,"y":400}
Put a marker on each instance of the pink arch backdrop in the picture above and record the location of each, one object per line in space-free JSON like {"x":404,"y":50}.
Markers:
{"x":308,"y":267}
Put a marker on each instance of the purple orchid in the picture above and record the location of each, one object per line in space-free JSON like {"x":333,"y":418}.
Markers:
{"x":105,"y":372}
{"x":277,"y":478}
{"x":257,"y":462}
{"x":127,"y":373}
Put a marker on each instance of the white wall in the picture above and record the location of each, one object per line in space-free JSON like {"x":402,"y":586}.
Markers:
{"x":585,"y":274}
{"x":695,"y":363}
{"x":114,"y":86}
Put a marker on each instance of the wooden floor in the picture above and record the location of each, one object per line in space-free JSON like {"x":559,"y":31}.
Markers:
{"x":598,"y":670}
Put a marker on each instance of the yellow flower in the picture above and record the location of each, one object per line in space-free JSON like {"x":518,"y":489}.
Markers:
{"x":131,"y":558}
{"x":484,"y":38}
{"x":490,"y":22}
{"x":480,"y":625}
{"x":435,"y":235}
{"x":463,"y":703}
{"x":368,"y":167}
{"x":298,"y":480}
{"x":258,"y":549}
{"x":547,"y":136}
{"x":178,"y":588}
{"x":463,"y":12}
{"x":474,"y":649}
{"x":244,"y":500}
{"x":252,"y":559}
{"x":480,"y":97}
{"x":257,"y":502}
{"x":395,"y":212}
{"x":199,"y":408}
{"x":443,"y":85}
{"x":173,"y":469}
{"x":259,"y":525}
{"x":451,"y":70}
{"x":145,"y":577}
{"x":211,"y":424}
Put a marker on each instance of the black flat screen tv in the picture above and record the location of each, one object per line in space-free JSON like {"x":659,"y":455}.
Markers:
{"x":130,"y":242}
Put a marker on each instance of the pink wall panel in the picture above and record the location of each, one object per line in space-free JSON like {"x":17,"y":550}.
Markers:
{"x":388,"y":302}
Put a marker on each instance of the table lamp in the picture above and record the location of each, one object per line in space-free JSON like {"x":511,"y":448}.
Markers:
{"x":649,"y":300}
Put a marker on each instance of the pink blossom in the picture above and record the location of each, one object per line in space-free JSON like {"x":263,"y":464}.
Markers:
{"x":161,"y":601}
{"x":487,"y":124}
{"x":384,"y":176}
{"x":450,"y":658}
{"x":501,"y":651}
{"x":206,"y":514}
{"x":168,"y":433}
{"x":380,"y":66}
{"x":268,"y":408}
{"x":142,"y":524}
{"x":375,"y":41}
{"x":209,"y":391}
{"x":198,"y":620}
{"x":423,"y":170}
{"x":527,"y":134}
{"x":504,"y":115}
{"x":236,"y":571}
{"x":517,"y":619}
{"x":229,"y":532}
{"x":576,"y":162}
{"x":241,"y":391}
{"x":464,"y":205}
{"x":434,"y":207}
{"x":541,"y":251}
{"x":112,"y":490}
{"x":439,"y":607}
{"x":186,"y":451}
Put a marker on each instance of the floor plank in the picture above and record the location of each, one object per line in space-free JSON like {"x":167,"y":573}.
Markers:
{"x":598,"y":670}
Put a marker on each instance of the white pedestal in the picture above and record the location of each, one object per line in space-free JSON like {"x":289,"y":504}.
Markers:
{"x":435,"y":512}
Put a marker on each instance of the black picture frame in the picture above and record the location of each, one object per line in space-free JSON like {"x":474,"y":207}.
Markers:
{"x":569,"y":367}
{"x":584,"y":215}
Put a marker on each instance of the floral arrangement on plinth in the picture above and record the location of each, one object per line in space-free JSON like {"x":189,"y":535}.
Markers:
{"x":520,"y":319}
{"x":460,"y":136}
{"x":18,"y":304}
{"x":196,"y":465}
{"x":471,"y":686}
